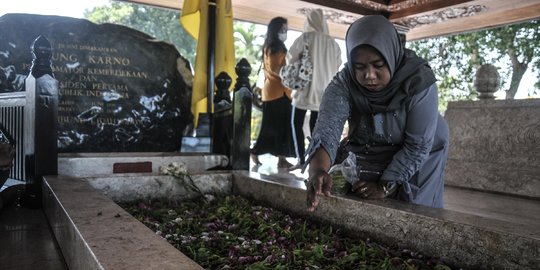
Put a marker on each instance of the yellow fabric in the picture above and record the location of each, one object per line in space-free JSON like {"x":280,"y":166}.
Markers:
{"x":194,"y":18}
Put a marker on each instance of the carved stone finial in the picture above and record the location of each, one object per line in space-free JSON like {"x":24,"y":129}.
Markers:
{"x":243,"y":69}
{"x":223,"y":82}
{"x":41,"y":54}
{"x":487,"y":81}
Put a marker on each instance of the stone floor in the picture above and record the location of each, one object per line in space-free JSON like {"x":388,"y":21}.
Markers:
{"x":26,"y":241}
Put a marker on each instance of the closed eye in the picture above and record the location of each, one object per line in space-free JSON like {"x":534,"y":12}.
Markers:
{"x":359,"y":66}
{"x":379,"y":64}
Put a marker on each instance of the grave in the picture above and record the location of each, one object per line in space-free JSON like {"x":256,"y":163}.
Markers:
{"x":88,"y":224}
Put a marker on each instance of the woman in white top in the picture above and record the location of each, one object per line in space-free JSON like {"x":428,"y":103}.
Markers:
{"x":326,"y":58}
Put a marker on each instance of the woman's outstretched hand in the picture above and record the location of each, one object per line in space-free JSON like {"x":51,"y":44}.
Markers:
{"x":318,"y":184}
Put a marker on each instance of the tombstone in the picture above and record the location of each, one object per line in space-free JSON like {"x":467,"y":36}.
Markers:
{"x":120,"y":90}
{"x":495,"y":146}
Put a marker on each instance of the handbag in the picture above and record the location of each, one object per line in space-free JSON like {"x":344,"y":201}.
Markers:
{"x":297,"y":75}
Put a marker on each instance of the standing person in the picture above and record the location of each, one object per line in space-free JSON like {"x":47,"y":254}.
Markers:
{"x":326,"y":58}
{"x":275,"y":136}
{"x":389,"y":96}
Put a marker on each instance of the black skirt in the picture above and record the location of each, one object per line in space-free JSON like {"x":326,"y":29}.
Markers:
{"x":275,"y":136}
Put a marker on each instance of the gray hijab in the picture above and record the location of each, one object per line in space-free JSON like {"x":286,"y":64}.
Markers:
{"x":409,"y":73}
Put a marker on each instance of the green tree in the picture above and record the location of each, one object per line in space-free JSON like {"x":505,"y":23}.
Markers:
{"x":455,"y":59}
{"x":520,"y":43}
{"x":160,"y":23}
{"x":248,"y":45}
{"x":449,"y":63}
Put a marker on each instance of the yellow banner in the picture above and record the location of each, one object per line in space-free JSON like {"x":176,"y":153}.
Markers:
{"x":194,"y":19}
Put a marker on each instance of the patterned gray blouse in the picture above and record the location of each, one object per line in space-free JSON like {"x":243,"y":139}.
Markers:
{"x":416,"y":131}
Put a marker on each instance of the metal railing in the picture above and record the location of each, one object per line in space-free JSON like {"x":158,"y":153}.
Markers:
{"x":12,"y":118}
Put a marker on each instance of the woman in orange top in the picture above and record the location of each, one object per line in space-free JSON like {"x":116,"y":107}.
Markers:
{"x":275,"y":136}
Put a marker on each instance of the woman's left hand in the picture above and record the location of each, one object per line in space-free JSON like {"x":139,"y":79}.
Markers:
{"x":369,"y":189}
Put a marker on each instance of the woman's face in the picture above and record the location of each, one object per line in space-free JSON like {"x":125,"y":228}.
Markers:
{"x":370,"y":68}
{"x":282,"y":34}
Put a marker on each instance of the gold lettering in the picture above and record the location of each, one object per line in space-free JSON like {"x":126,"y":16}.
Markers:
{"x":68,"y":119}
{"x":64,"y":57}
{"x":66,"y":109}
{"x":91,"y":93}
{"x":71,"y":92}
{"x":88,"y":78}
{"x":60,"y":69}
{"x":63,"y":119}
{"x":97,"y":49}
{"x":108,"y":60}
{"x":108,"y":120}
{"x":67,"y":102}
{"x":117,"y":73}
{"x":64,"y":69}
{"x":102,"y":85}
{"x":75,"y":85}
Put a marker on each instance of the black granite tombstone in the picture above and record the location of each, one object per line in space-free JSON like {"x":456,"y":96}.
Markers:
{"x":120,"y":90}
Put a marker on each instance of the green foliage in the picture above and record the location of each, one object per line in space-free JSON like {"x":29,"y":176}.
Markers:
{"x":446,"y":62}
{"x":163,"y":24}
{"x":231,"y":232}
{"x":455,"y":59}
{"x":248,"y":45}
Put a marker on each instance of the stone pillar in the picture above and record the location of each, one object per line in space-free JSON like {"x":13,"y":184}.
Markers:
{"x":487,"y":81}
{"x":40,"y":122}
{"x":242,"y":117}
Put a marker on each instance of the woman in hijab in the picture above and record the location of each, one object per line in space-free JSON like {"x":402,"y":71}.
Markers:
{"x":326,"y":58}
{"x":275,"y":136}
{"x":397,"y":139}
